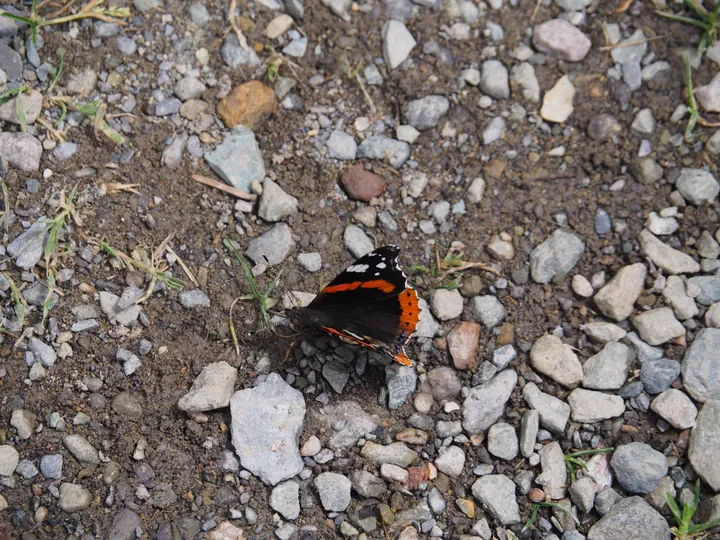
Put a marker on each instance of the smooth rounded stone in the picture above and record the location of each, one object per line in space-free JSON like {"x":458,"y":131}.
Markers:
{"x":708,"y":96}
{"x":675,"y":408}
{"x":616,"y":299}
{"x":712,"y":317}
{"x":271,"y":247}
{"x":488,"y":310}
{"x":362,"y":185}
{"x":341,"y":145}
{"x":285,"y":499}
{"x":401,"y":382}
{"x":167,"y":107}
{"x":451,"y":461}
{"x":502,"y":441}
{"x":24,"y":423}
{"x":74,"y":497}
{"x":661,"y":226}
{"x":554,"y":413}
{"x":81,"y":448}
{"x":194,"y":298}
{"x":603,"y":126}
{"x":638,"y":467}
{"x":529,"y":425}
{"x":211,"y":389}
{"x":9,"y":459}
{"x":560,"y":39}
{"x":658,"y":375}
{"x":476,"y":191}
{"x":494,"y":80}
{"x":707,"y":246}
{"x":603,"y":332}
{"x":701,"y":365}
{"x":397,"y":43}
{"x":189,"y":88}
{"x":557,"y":255}
{"x":271,"y":453}
{"x":367,"y":484}
{"x":709,"y":287}
{"x":485,"y":404}
{"x":603,"y":224}
{"x":334,"y":491}
{"x":608,"y":370}
{"x":581,"y":286}
{"x":676,"y":296}
{"x":312,"y":262}
{"x":551,"y":357}
{"x":523,"y":75}
{"x":697,"y":186}
{"x":501,"y":249}
{"x":275,"y":203}
{"x":446,"y":304}
{"x":713,"y":143}
{"x":704,"y":443}
{"x":127,"y":405}
{"x":395,"y":453}
{"x":444,"y":384}
{"x":557,"y":104}
{"x":463,"y":343}
{"x":588,"y":406}
{"x":50,"y":466}
{"x":582,"y":494}
{"x":380,"y":147}
{"x":648,"y":171}
{"x":238,"y":159}
{"x":124,"y":525}
{"x":436,"y":502}
{"x":658,"y":326}
{"x":669,"y":259}
{"x":494,"y":130}
{"x":199,"y":14}
{"x":426,"y":112}
{"x":630,"y":519}
{"x":496,"y":493}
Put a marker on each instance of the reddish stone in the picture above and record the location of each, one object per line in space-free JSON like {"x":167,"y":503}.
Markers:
{"x":362,"y":185}
{"x":463,"y":344}
{"x":417,"y":476}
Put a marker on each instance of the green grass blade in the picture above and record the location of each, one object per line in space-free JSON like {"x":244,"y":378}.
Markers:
{"x":58,"y":71}
{"x":673,"y":508}
{"x":702,"y":527}
{"x":686,"y":20}
{"x":18,"y":18}
{"x":246,"y":267}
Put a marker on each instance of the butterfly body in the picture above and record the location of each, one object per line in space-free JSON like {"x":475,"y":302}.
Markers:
{"x":369,"y":304}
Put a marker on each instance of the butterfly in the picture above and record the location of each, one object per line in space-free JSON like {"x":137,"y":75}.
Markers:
{"x":369,"y":304}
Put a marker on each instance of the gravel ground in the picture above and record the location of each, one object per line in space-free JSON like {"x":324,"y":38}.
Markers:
{"x":574,"y":371}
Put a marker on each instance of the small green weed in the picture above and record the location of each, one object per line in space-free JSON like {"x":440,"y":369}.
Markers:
{"x":538,"y":506}
{"x":273,"y":72}
{"x":18,"y":300}
{"x":572,"y":461}
{"x":685,"y":530}
{"x":692,"y":104}
{"x":705,"y":20}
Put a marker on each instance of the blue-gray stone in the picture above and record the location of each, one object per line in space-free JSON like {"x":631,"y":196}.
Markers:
{"x":10,"y":62}
{"x":238,"y":159}
{"x":65,"y":151}
{"x":401,"y":382}
{"x":395,"y":152}
{"x":709,"y":289}
{"x":701,"y":365}
{"x":603,"y":225}
{"x":51,"y":465}
{"x":31,"y":52}
{"x":27,"y":249}
{"x":235,"y":56}
{"x":658,"y":375}
{"x":167,"y":107}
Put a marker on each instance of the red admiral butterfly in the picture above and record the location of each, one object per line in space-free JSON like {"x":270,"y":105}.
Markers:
{"x":369,"y":304}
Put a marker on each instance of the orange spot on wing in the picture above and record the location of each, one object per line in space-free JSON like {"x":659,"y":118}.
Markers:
{"x":410,"y":310}
{"x":342,"y":287}
{"x":402,"y":358}
{"x":384,"y":286}
{"x":381,"y":284}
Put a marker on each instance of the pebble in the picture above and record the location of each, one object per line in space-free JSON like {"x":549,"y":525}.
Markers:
{"x":194,"y":298}
{"x":669,"y":259}
{"x":83,"y":83}
{"x":334,"y":491}
{"x":497,"y":495}
{"x":395,"y":453}
{"x":560,"y":39}
{"x":341,"y":145}
{"x":697,"y":186}
{"x":485,"y":404}
{"x":638,"y":467}
{"x":380,"y":147}
{"x":9,"y":459}
{"x":248,"y":105}
{"x":29,"y":102}
{"x":285,"y":499}
{"x":674,"y":294}
{"x":451,"y":461}
{"x":648,"y":171}
{"x":529,"y":426}
{"x":273,"y":246}
{"x":74,"y":497}
{"x":658,"y":375}
{"x":603,"y":332}
{"x":211,"y":389}
{"x":554,"y":413}
{"x":554,"y":359}
{"x":189,"y":88}
{"x":44,"y":353}
{"x":554,"y":472}
{"x":240,"y":141}
{"x":446,"y":304}
{"x":444,"y":383}
{"x":275,"y":203}
{"x":494,"y":130}
{"x":617,"y":298}
{"x":463,"y":343}
{"x":658,"y":326}
{"x":628,"y":518}
{"x":661,"y":226}
{"x":608,"y":370}
{"x":426,"y":112}
{"x":557,"y":255}
{"x":494,"y":80}
{"x":362,"y":185}
{"x":51,"y":466}
{"x":407,"y":134}
{"x":312,"y":262}
{"x":398,"y":42}
{"x":704,"y":441}
{"x":81,"y":448}
{"x":488,"y":310}
{"x":706,"y":289}
{"x":401,"y":383}
{"x":235,"y":56}
{"x":502,"y":441}
{"x":581,"y":286}
{"x":271,"y":453}
{"x":701,"y":365}
{"x":643,"y":125}
{"x":675,"y":408}
{"x":124,"y":525}
{"x":21,"y":150}
{"x":708,"y":96}
{"x":588,"y":406}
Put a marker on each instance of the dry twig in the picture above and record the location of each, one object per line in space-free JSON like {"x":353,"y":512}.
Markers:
{"x":240,"y":194}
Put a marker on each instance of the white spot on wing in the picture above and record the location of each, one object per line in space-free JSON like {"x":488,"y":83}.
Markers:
{"x":381,"y":265}
{"x":358,"y":268}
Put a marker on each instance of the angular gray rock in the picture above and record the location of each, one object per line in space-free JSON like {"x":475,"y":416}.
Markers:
{"x":658,"y":375}
{"x":630,"y":519}
{"x":608,"y":370}
{"x":271,"y":453}
{"x":397,"y":43}
{"x":334,"y":491}
{"x":401,"y":383}
{"x":380,"y":147}
{"x":668,"y":258}
{"x":701,"y":365}
{"x":238,"y":159}
{"x":275,"y":203}
{"x":496,"y":493}
{"x":211,"y":390}
{"x":557,"y":255}
{"x":124,"y":525}
{"x":485,"y":404}
{"x":638,"y":467}
{"x":675,"y":408}
{"x":28,"y":248}
{"x":426,"y":112}
{"x":554,"y":413}
{"x":554,"y":470}
{"x":617,"y":298}
{"x":560,"y":39}
{"x":551,"y":357}
{"x":697,"y":186}
{"x":658,"y":326}
{"x":21,"y":150}
{"x":704,"y":443}
{"x":529,"y":425}
{"x":588,"y":406}
{"x":81,"y":448}
{"x":603,"y":332}
{"x":273,"y":246}
{"x":285,"y":499}
{"x":9,"y":459}
{"x":709,"y":289}
{"x":675,"y":294}
{"x":502,"y":441}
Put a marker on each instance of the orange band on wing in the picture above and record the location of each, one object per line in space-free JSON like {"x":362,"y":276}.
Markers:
{"x":381,"y":284}
{"x":410,"y":310}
